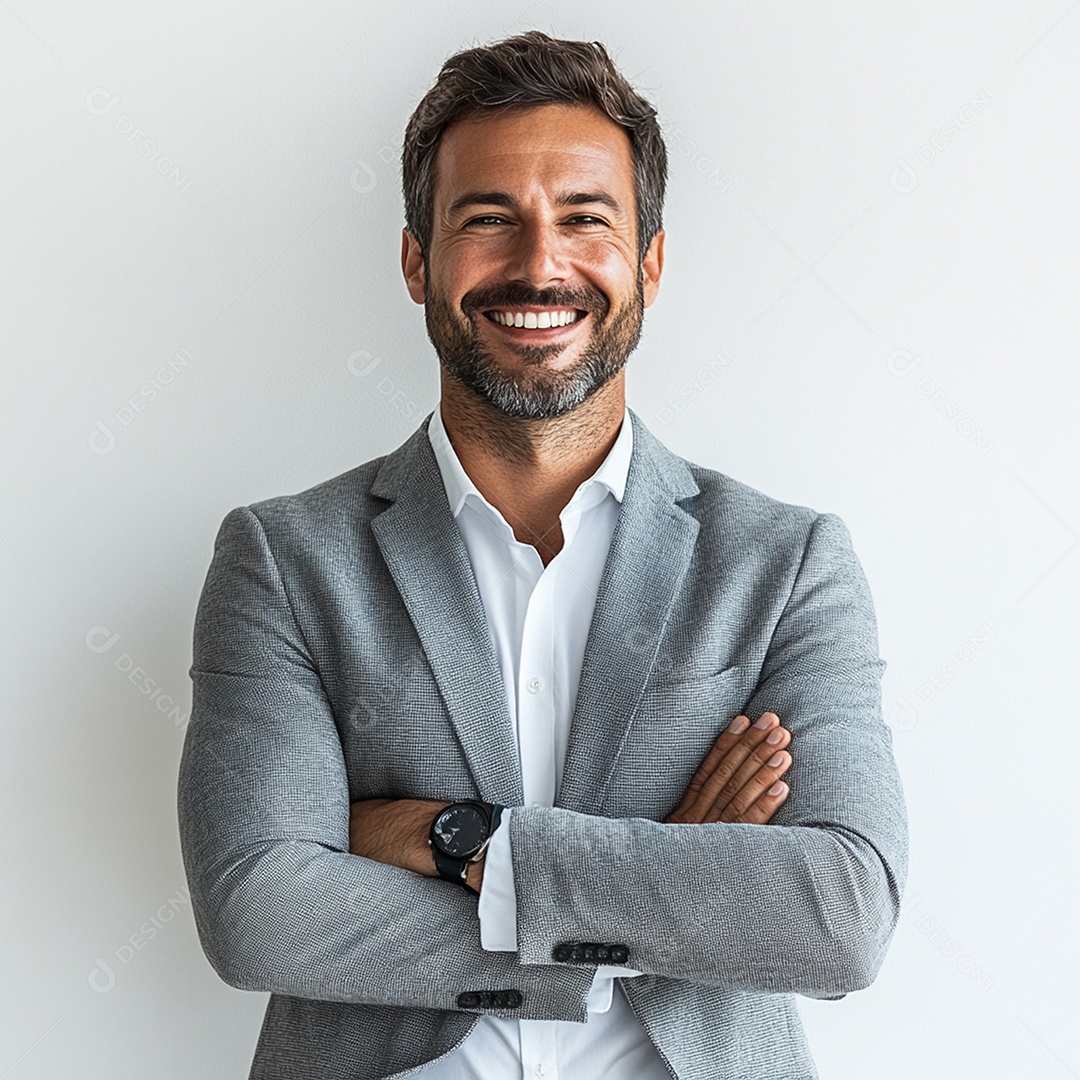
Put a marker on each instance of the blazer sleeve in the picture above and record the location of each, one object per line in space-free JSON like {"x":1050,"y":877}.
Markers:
{"x":280,"y":904}
{"x":806,"y":903}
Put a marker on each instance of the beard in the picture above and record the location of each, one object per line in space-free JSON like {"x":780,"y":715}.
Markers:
{"x":535,"y":393}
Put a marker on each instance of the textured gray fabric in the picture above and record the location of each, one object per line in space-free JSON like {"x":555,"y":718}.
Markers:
{"x":341,"y":653}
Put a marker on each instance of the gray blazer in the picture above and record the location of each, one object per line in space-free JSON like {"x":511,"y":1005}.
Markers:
{"x":341,"y":652}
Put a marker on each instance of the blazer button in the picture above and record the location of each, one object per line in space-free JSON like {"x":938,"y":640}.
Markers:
{"x":490,"y":999}
{"x":590,"y":952}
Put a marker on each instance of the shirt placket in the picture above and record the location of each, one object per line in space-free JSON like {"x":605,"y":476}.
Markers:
{"x":535,"y":690}
{"x":536,"y":741}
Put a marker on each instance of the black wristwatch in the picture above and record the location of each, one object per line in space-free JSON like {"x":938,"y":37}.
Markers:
{"x":460,"y":835}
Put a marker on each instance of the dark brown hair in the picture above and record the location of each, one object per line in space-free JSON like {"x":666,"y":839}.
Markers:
{"x":521,"y":72}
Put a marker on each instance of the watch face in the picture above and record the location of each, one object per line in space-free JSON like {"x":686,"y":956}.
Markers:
{"x":460,"y":831}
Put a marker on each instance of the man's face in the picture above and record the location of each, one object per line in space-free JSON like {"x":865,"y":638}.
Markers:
{"x":534,"y":224}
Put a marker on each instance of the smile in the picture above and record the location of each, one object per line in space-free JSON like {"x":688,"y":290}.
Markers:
{"x":534,"y":318}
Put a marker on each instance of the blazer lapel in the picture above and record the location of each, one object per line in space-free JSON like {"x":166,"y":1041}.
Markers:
{"x":649,"y":556}
{"x":423,"y":549}
{"x":650,"y":552}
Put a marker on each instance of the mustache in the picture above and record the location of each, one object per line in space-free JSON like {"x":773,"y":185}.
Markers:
{"x":512,"y":295}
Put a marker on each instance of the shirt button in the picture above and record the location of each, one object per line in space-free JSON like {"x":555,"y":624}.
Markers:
{"x":535,"y":685}
{"x":541,"y":1069}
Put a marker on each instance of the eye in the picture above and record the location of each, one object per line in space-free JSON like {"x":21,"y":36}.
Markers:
{"x":588,"y":219}
{"x":486,"y":219}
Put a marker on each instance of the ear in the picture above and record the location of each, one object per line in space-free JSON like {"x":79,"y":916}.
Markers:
{"x":651,"y":267}
{"x":412,"y":265}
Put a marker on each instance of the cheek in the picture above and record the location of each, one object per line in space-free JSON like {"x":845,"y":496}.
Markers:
{"x":462,"y":271}
{"x":466,"y":253}
{"x":611,"y":263}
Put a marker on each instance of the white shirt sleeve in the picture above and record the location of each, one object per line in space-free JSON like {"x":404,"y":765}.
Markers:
{"x":497,"y":906}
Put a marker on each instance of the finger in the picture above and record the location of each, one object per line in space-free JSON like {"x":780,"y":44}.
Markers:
{"x":727,"y":754}
{"x":728,"y":738}
{"x":765,"y":805}
{"x":754,"y":762}
{"x":746,"y":806}
{"x":719,"y":787}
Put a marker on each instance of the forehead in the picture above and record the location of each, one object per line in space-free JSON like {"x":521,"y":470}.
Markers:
{"x":546,"y":145}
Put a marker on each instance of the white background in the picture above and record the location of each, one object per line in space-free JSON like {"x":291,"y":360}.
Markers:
{"x":868,"y":307}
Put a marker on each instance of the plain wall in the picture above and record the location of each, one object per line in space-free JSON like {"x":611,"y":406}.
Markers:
{"x":868,"y":307}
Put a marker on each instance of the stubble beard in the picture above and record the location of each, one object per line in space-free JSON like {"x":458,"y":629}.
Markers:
{"x":535,"y":393}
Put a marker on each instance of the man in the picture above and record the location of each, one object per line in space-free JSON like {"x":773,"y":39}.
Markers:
{"x":470,"y":784}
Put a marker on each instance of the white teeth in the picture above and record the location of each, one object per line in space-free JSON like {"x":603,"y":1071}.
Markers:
{"x":532,"y":320}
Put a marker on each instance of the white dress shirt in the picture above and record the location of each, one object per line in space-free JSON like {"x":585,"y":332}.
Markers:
{"x":539,"y":619}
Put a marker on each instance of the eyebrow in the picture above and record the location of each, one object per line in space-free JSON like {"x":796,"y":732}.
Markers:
{"x":502,"y":198}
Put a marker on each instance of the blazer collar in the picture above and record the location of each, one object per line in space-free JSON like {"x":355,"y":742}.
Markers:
{"x":648,"y":559}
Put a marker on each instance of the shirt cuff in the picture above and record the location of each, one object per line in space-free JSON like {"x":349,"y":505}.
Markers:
{"x":603,"y":986}
{"x":497,"y":907}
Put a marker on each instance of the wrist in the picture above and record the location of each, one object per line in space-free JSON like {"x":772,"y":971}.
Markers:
{"x":474,"y":875}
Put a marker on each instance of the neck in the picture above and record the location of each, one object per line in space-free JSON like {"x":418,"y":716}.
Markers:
{"x":529,"y":469}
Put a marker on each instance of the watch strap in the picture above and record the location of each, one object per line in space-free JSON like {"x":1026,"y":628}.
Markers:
{"x":451,"y":869}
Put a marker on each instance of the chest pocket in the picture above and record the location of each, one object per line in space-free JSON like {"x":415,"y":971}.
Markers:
{"x":700,"y":698}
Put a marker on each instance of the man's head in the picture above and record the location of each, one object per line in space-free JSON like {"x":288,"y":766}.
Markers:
{"x":534,"y":178}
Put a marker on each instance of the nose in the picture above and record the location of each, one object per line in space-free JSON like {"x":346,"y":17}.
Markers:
{"x":537,"y":256}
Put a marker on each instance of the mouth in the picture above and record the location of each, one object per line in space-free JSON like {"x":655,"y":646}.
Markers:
{"x":528,"y":323}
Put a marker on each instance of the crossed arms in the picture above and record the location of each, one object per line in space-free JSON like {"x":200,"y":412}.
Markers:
{"x":806,"y":904}
{"x":739,"y":781}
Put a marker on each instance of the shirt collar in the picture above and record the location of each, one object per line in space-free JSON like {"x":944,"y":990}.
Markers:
{"x":611,"y":473}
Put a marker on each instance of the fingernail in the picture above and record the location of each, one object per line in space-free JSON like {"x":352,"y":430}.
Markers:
{"x":776,"y":759}
{"x":764,"y":721}
{"x":777,"y":788}
{"x":774,"y":737}
{"x":739,"y":725}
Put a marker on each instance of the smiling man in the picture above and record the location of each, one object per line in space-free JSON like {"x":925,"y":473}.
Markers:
{"x":534,"y":292}
{"x":482,"y":776}
{"x":543,"y":240}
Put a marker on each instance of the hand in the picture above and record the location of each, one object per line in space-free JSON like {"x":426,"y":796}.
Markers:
{"x":394,"y":831}
{"x":733,"y":782}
